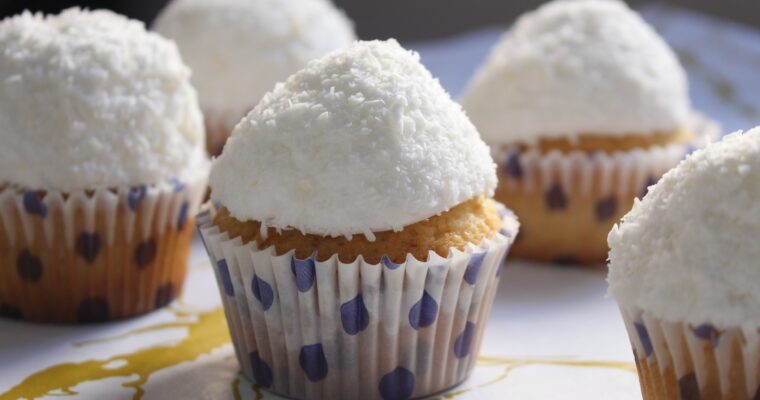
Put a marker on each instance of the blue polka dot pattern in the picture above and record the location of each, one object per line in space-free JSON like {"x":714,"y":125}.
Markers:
{"x":388,"y":263}
{"x":262,"y":373}
{"x":88,"y":246}
{"x":164,"y":295}
{"x":463,"y":342}
{"x":708,"y":332}
{"x":29,"y":267}
{"x":646,"y":342}
{"x":555,"y":197}
{"x":34,"y":205}
{"x":178,"y":185}
{"x":135,"y":196}
{"x":262,"y":291}
{"x":93,"y":310}
{"x":313,"y":362}
{"x":224,"y":274}
{"x":512,"y":167}
{"x":304,"y":272}
{"x":424,"y":312}
{"x":473,"y":267}
{"x":354,"y":315}
{"x":182,"y":218}
{"x":10,"y":312}
{"x":688,"y":387}
{"x":397,"y":384}
{"x":146,"y":253}
{"x":606,"y":208}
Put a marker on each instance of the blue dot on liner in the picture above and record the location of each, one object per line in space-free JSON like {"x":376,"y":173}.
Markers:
{"x":708,"y":332}
{"x":93,"y":310}
{"x":463,"y":342}
{"x":135,"y":196}
{"x":397,"y":384}
{"x":646,"y":342}
{"x":555,"y":197}
{"x":688,"y":387}
{"x":33,"y":204}
{"x":262,"y":291}
{"x":473,"y":267}
{"x":313,"y":362}
{"x":424,"y":312}
{"x":88,"y":246}
{"x":182,"y":218}
{"x":512,"y":167}
{"x":262,"y":373}
{"x":224,"y":274}
{"x":304,"y":272}
{"x":178,"y":185}
{"x":388,"y":263}
{"x":29,"y":267}
{"x":606,"y":208}
{"x":354,"y":315}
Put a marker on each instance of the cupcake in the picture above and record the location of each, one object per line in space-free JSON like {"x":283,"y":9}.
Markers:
{"x":238,"y":49}
{"x":584,"y":107}
{"x":683,"y":269}
{"x":102,"y":167}
{"x":354,"y":239}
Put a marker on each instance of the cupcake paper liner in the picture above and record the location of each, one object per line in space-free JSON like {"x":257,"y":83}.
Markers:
{"x":678,"y":360}
{"x":613,"y":173}
{"x":568,"y":201}
{"x":331,"y":330}
{"x":94,"y":255}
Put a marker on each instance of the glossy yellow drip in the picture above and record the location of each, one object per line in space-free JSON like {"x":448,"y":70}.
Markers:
{"x":207,"y":331}
{"x":510,"y":364}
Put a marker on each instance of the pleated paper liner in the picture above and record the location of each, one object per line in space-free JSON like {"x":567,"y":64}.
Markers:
{"x":91,"y":256}
{"x":331,"y":330}
{"x":568,"y":202}
{"x":678,"y":360}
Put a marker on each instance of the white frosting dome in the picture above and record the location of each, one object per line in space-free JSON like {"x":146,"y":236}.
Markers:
{"x":90,"y":99}
{"x":688,"y":251}
{"x":238,"y":49}
{"x":360,"y":141}
{"x":578,"y":67}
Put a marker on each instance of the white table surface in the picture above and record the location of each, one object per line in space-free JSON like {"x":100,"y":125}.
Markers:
{"x":551,"y":335}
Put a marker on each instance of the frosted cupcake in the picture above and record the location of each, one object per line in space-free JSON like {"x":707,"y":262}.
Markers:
{"x":584,"y":106}
{"x":355,"y":242}
{"x":238,"y":49}
{"x":102,"y":167}
{"x":683,"y":268}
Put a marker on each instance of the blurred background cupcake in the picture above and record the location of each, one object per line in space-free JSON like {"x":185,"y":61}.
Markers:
{"x":683,"y":269}
{"x":102,"y":167}
{"x":356,"y":245}
{"x":584,"y":106}
{"x":238,"y":49}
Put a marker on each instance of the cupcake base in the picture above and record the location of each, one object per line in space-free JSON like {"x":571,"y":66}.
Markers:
{"x":686,"y":361}
{"x":304,"y":328}
{"x":568,"y":200}
{"x":94,"y":256}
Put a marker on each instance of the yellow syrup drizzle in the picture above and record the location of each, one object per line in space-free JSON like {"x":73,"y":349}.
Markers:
{"x":205,"y":333}
{"x":510,"y":364}
{"x":235,"y":386}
